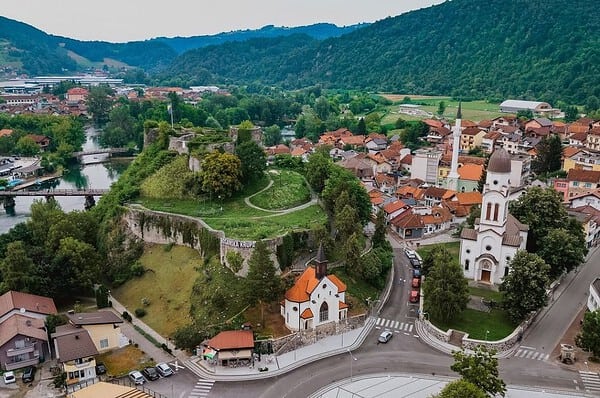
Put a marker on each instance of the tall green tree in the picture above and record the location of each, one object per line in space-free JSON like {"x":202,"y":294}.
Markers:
{"x":378,"y":239}
{"x":571,"y":114}
{"x":441,"y":108}
{"x":589,"y":337}
{"x":18,"y":270}
{"x":120,"y":129}
{"x":352,"y":251}
{"x":272,"y":135}
{"x":446,"y":291}
{"x":461,"y":389}
{"x":361,"y":127}
{"x":99,"y":103}
{"x":253,"y":160}
{"x":26,"y":146}
{"x":75,"y":267}
{"x":262,"y":282}
{"x":549,"y":155}
{"x":221,"y":174}
{"x":525,"y":285}
{"x":562,"y":250}
{"x":318,"y":169}
{"x":341,"y":180}
{"x":438,"y":254}
{"x":540,"y":218}
{"x":480,"y":369}
{"x":483,"y":177}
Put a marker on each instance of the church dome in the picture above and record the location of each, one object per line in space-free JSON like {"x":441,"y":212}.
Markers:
{"x":499,"y":161}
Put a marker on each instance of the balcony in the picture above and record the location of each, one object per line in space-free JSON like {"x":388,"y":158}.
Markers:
{"x":11,"y":352}
{"x":21,"y":364}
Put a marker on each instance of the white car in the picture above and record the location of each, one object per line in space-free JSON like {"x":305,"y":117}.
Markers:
{"x":385,"y":336}
{"x":164,"y":370}
{"x":410,"y":253}
{"x":136,"y":377}
{"x":9,"y":377}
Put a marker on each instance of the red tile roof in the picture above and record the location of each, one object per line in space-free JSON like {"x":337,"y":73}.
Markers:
{"x":584,"y":176}
{"x":394,"y":206}
{"x":30,"y":302}
{"x":470,"y":172}
{"x":306,"y":283}
{"x":232,"y":339}
{"x":307,"y":314}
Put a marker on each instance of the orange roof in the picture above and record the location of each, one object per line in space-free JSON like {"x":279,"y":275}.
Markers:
{"x":471,"y":172}
{"x":232,"y":339}
{"x":394,"y":206}
{"x":469,"y":198}
{"x":5,"y":132}
{"x":30,"y":302}
{"x":376,"y":200}
{"x":570,"y":151}
{"x":407,"y":190}
{"x":343,"y":305}
{"x":449,"y":193}
{"x":353,"y":140}
{"x":298,"y":151}
{"x":307,"y":314}
{"x":306,"y":283}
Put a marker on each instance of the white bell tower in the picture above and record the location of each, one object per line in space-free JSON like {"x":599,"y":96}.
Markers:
{"x":452,"y":179}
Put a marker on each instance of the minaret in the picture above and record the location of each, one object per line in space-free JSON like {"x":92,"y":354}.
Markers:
{"x":452,"y":179}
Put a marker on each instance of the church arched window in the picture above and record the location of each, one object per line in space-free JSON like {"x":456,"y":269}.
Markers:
{"x":496,"y":209}
{"x":324,"y":312}
{"x":488,"y":211}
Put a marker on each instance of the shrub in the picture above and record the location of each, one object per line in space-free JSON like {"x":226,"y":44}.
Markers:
{"x":140,"y":312}
{"x":126,"y":316}
{"x":137,"y":269}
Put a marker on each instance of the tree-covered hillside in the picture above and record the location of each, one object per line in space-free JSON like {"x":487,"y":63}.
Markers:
{"x":546,"y":50}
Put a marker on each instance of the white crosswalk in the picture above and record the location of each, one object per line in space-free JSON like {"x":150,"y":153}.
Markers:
{"x":202,"y":388}
{"x":531,"y":354}
{"x":591,"y":380}
{"x":395,"y":325}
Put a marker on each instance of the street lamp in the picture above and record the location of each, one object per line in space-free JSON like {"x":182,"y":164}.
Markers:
{"x":425,"y":313}
{"x":352,"y":359}
{"x":486,"y":335}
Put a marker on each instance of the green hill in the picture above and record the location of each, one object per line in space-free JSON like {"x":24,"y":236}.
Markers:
{"x":546,"y":50}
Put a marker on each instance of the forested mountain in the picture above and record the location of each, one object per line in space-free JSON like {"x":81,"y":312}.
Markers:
{"x":36,"y":52}
{"x":317,"y":31}
{"x":546,"y":50}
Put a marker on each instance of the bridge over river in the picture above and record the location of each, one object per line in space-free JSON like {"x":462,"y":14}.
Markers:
{"x":99,"y":151}
{"x":8,"y":197}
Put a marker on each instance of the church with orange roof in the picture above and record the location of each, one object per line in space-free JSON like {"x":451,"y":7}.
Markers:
{"x":315,"y":299}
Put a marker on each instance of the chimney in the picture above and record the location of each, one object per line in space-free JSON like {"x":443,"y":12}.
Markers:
{"x":320,"y":263}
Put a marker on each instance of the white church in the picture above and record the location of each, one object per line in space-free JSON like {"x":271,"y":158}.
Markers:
{"x":315,"y":299}
{"x":487,"y":249}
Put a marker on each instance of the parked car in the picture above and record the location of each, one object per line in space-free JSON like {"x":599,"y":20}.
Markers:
{"x":410,"y":253}
{"x":385,"y":336}
{"x":28,"y":374}
{"x":9,"y":377}
{"x":414,"y":296}
{"x":416,"y":283}
{"x":415,"y":262}
{"x":136,"y":377}
{"x":416,"y":273}
{"x":100,"y":368}
{"x":164,"y":370}
{"x":150,"y":373}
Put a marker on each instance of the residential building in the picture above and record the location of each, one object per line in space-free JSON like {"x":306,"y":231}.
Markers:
{"x":41,"y":141}
{"x":593,"y":302}
{"x":470,"y":138}
{"x":76,"y":352}
{"x":425,"y":164}
{"x":587,"y":199}
{"x":23,"y":342}
{"x":394,"y":209}
{"x":469,"y":176}
{"x":582,"y":182}
{"x":580,"y":158}
{"x":487,"y":249}
{"x":102,"y":326}
{"x":316,"y":299}
{"x":230,"y":346}
{"x":409,"y":225}
{"x":76,"y":94}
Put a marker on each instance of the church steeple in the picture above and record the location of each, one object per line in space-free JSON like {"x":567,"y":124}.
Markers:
{"x":453,"y":176}
{"x":320,"y":263}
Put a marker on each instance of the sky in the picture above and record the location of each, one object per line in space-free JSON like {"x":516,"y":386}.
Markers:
{"x":129,"y":20}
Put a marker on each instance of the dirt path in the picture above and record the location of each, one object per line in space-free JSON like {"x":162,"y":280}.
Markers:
{"x":313,"y":201}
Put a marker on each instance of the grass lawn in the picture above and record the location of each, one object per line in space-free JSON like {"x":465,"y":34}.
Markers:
{"x":289,"y":189}
{"x":121,"y":361}
{"x":476,"y":323}
{"x":167,"y":284}
{"x":265,"y":227}
{"x":268,"y":321}
{"x":485,"y":293}
{"x":452,"y":247}
{"x":358,"y":291}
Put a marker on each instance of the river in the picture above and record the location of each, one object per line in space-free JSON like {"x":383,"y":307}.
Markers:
{"x":78,"y":176}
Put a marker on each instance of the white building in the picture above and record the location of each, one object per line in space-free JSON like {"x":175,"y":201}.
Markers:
{"x":425,"y":164}
{"x":486,"y":250}
{"x":594,"y":298}
{"x":315,"y":299}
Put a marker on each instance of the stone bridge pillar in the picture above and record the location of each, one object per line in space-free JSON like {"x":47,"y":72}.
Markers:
{"x":89,"y":202}
{"x":9,"y":202}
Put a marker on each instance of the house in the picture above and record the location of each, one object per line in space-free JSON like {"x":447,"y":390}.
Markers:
{"x":589,"y":218}
{"x":593,"y":139}
{"x":30,"y":305}
{"x":408,"y":225}
{"x":102,"y":326}
{"x":438,"y":219}
{"x":351,"y":142}
{"x":316,"y":299}
{"x":375,"y":144}
{"x":425,"y":163}
{"x":593,"y":302}
{"x":42,"y":141}
{"x":487,"y":249}
{"x":488,"y":142}
{"x":76,"y":352}
{"x":433,"y":196}
{"x":76,"y":94}
{"x":587,"y":199}
{"x":578,"y":139}
{"x":580,"y":158}
{"x":23,"y":342}
{"x":393,"y":209}
{"x":385,"y":182}
{"x":379,"y":162}
{"x":461,"y":203}
{"x":582,"y":182}
{"x":230,"y":346}
{"x":537,"y":123}
{"x":470,"y":138}
{"x":358,"y":166}
{"x":469,"y":176}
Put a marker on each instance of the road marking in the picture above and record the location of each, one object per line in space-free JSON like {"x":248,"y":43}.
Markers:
{"x":408,"y":334}
{"x":535,"y":355}
{"x":377,"y":327}
{"x":201,"y":389}
{"x":528,"y":348}
{"x":176,"y":365}
{"x":396,"y":324}
{"x":379,"y":321}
